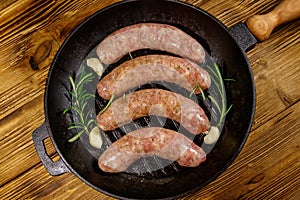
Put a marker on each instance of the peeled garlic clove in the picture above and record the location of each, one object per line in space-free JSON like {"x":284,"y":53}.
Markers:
{"x":95,"y":137}
{"x":96,"y":65}
{"x":212,"y":136}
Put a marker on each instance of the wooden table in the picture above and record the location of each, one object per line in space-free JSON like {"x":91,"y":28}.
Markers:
{"x":268,"y":167}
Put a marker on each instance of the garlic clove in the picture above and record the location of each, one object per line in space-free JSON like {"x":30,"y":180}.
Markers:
{"x":212,"y":136}
{"x":95,"y":138}
{"x":96,"y":65}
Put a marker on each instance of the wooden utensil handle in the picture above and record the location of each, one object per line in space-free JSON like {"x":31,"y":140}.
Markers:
{"x":262,"y":25}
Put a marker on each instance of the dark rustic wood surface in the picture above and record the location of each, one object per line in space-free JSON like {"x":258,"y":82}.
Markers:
{"x":31,"y":31}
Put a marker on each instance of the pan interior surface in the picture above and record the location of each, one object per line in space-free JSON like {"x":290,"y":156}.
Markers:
{"x":218,"y":43}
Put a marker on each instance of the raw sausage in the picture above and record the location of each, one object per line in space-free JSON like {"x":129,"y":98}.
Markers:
{"x":154,"y":102}
{"x":149,"y":36}
{"x":151,"y":141}
{"x":146,"y":142}
{"x":149,"y":68}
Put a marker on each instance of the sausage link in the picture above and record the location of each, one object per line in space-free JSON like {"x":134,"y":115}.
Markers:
{"x":149,"y":36}
{"x":154,"y":102}
{"x":149,"y":68}
{"x":151,"y":141}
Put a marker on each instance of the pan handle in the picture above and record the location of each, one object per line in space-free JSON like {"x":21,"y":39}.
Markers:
{"x":262,"y":25}
{"x":242,"y":35}
{"x":54,"y":168}
{"x":259,"y":27}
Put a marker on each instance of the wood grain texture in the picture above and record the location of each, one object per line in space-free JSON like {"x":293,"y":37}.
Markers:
{"x":31,"y":33}
{"x":263,"y":25}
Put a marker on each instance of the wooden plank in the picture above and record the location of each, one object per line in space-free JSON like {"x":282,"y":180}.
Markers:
{"x":17,"y":150}
{"x":276,"y":73}
{"x":38,"y":184}
{"x":20,"y":39}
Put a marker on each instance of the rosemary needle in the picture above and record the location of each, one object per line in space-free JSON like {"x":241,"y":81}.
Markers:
{"x":229,"y":79}
{"x":76,"y":137}
{"x":107,"y":105}
{"x":202,"y":93}
{"x":194,"y":90}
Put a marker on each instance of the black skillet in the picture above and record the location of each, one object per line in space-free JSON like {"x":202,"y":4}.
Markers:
{"x":226,"y":46}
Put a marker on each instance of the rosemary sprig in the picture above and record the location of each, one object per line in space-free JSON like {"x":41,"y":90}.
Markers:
{"x":217,"y":79}
{"x":198,"y":88}
{"x":79,"y":104}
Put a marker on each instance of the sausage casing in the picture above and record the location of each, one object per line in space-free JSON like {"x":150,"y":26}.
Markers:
{"x":154,"y":102}
{"x":150,"y":141}
{"x":149,"y":36}
{"x":149,"y":68}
